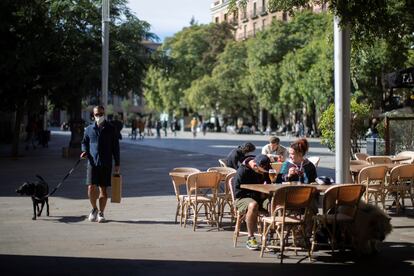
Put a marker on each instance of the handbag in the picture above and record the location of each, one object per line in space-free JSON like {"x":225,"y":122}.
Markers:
{"x":116,"y":185}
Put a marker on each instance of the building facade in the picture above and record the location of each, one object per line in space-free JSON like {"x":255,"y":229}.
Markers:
{"x":251,"y":19}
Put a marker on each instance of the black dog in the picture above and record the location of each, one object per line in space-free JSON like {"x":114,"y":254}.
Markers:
{"x":38,"y":191}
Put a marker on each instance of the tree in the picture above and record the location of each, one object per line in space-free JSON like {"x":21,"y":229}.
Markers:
{"x":53,"y":48}
{"x":359,"y":111}
{"x":27,"y":43}
{"x":392,"y":20}
{"x":184,"y":60}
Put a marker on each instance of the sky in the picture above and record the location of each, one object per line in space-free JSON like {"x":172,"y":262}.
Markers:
{"x":170,"y":16}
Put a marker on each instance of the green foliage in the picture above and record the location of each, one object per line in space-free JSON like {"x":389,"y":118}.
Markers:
{"x":369,"y":20}
{"x":359,"y":114}
{"x":180,"y":78}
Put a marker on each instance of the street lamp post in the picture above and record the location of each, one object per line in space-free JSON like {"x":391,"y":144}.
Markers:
{"x":342,"y":50}
{"x":105,"y":51}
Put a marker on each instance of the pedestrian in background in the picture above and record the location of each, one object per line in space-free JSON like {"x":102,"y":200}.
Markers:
{"x":141,"y":128}
{"x":100,"y":145}
{"x":134,"y":126}
{"x":173,"y":126}
{"x":158,"y":128}
{"x":164,"y":127}
{"x":194,"y":124}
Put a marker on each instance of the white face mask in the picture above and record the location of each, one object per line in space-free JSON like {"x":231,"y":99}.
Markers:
{"x":99,"y":119}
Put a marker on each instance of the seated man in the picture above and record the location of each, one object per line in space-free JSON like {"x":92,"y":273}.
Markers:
{"x":275,"y":151}
{"x":252,"y":171}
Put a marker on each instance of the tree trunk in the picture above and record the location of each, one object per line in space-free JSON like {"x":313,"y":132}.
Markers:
{"x":16,"y":132}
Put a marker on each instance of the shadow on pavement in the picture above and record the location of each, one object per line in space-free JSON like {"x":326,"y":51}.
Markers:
{"x":327,"y":265}
{"x":68,"y":219}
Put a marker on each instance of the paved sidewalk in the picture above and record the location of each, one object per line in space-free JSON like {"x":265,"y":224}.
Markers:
{"x":141,"y":237}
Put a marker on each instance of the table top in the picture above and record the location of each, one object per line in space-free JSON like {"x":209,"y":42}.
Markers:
{"x":180,"y":174}
{"x":400,"y":158}
{"x":272,"y":188}
{"x":358,"y":168}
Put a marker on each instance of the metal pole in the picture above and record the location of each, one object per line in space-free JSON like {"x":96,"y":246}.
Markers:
{"x":105,"y":51}
{"x":342,"y":102}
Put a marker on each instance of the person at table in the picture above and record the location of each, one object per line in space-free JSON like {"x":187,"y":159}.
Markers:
{"x":237,"y":156}
{"x":275,"y":151}
{"x":298,"y":167}
{"x":253,"y":170}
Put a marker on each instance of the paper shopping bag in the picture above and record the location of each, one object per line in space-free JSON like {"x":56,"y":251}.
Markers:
{"x":116,"y":183}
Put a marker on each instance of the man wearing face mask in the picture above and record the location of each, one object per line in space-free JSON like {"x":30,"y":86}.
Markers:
{"x":253,"y":170}
{"x":99,"y":145}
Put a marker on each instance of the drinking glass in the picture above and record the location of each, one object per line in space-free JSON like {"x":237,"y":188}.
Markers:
{"x":272,"y":175}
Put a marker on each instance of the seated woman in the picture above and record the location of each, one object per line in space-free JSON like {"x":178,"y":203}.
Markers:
{"x":237,"y":156}
{"x":297,"y":168}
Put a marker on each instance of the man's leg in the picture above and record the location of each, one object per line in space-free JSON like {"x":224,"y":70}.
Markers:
{"x":251,"y":218}
{"x":103,"y":197}
{"x":93,"y":195}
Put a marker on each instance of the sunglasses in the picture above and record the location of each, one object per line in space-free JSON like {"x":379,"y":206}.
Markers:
{"x":98,"y":114}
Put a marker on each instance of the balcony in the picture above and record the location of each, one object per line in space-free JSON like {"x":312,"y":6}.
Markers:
{"x":244,"y":18}
{"x":254,"y":15}
{"x":263,"y":12}
{"x":234,"y":22}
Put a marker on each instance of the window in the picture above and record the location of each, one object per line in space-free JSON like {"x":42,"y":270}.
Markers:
{"x":254,"y":28}
{"x":284,"y":16}
{"x":225,"y":17}
{"x":216,"y":19}
{"x":263,"y":24}
{"x":263,"y":5}
{"x":254,"y":9}
{"x":245,"y":31}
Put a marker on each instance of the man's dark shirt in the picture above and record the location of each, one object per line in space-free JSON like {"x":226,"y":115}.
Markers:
{"x":101,"y":144}
{"x":246,"y":175}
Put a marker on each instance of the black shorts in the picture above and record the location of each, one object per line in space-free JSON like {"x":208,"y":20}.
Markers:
{"x":100,"y":176}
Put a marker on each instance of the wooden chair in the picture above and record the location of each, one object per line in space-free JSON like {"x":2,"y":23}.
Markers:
{"x":339,"y":207}
{"x":374,"y":177}
{"x":354,"y":176}
{"x":177,"y":182}
{"x":401,"y":184}
{"x":358,"y":162}
{"x":202,"y":190}
{"x":361,"y":156}
{"x":240,"y":217}
{"x":226,"y":199}
{"x":222,"y":162}
{"x":315,"y":160}
{"x":379,"y":159}
{"x":223,"y":195}
{"x":289,"y":208}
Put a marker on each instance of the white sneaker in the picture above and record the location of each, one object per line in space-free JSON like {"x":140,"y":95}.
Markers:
{"x":101,"y":217}
{"x":93,"y":215}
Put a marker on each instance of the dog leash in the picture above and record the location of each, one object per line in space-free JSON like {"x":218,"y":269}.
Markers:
{"x":61,"y":182}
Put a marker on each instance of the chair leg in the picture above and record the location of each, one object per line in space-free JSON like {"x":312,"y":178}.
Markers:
{"x":315,"y":223}
{"x":266,"y":229}
{"x":306,"y":241}
{"x":177,"y":212}
{"x":236,"y":230}
{"x":282,"y":243}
